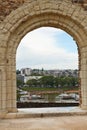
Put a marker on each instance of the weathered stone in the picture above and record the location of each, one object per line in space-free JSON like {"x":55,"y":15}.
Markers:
{"x":22,"y":16}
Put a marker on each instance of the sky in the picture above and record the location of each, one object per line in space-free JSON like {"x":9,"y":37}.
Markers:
{"x":48,"y":48}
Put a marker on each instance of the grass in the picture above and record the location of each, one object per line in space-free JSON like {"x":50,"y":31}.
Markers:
{"x":39,"y":89}
{"x":48,"y":89}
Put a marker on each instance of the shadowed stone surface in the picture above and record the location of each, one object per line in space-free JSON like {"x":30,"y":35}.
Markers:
{"x":7,"y":6}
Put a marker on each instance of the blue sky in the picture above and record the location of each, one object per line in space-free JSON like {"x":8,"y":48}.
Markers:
{"x":48,"y":48}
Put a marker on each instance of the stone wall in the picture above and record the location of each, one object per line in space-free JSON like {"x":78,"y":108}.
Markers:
{"x":7,"y":6}
{"x":22,"y":16}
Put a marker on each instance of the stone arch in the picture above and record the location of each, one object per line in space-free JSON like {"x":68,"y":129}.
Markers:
{"x":35,"y":14}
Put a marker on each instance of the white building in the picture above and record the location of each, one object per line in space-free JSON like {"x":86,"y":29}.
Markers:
{"x":26,"y":71}
{"x":26,"y":78}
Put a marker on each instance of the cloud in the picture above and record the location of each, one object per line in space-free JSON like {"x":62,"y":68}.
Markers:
{"x":39,"y":48}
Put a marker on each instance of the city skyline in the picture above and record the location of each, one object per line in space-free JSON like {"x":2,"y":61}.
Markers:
{"x":47,"y":48}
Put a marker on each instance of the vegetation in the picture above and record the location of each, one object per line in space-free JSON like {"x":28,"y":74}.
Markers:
{"x":18,"y":95}
{"x":49,"y":83}
{"x":52,"y":83}
{"x":49,"y":89}
{"x":17,"y":71}
{"x":19,"y":83}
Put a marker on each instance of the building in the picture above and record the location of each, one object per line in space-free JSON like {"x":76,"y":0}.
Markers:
{"x":26,"y":71}
{"x":26,"y":78}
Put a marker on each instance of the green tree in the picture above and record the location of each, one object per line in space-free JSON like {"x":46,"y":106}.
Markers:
{"x":47,"y":81}
{"x":19,"y":83}
{"x":32,"y":83}
{"x":18,"y":72}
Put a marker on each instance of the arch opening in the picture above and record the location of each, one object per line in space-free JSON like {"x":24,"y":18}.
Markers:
{"x":45,"y":21}
{"x":27,"y":27}
{"x":46,"y":42}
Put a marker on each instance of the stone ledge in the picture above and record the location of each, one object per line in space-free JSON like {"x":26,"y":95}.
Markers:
{"x":40,"y":115}
{"x":46,"y":112}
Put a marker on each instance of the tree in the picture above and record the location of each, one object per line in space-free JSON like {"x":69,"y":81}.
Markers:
{"x":32,"y":83}
{"x":18,"y":72}
{"x":47,"y":81}
{"x":19,"y":83}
